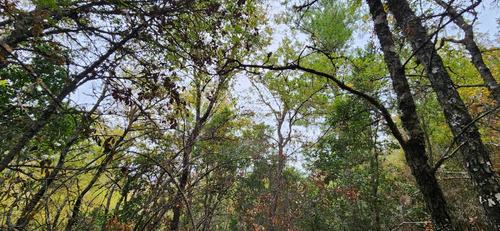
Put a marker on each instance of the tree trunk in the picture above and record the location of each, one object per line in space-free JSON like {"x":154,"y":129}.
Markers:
{"x":276,"y":190}
{"x":375,"y":180}
{"x":186,"y":168}
{"x":458,"y":118}
{"x":414,"y":145}
{"x":76,"y":207}
{"x":182,"y":186}
{"x":475,"y":53}
{"x":29,"y":208}
{"x":279,"y":174}
{"x":200,"y":121}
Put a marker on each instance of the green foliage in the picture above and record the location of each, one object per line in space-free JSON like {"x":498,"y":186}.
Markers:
{"x":48,"y":3}
{"x":169,"y":132}
{"x":23,"y":98}
{"x":330,"y":24}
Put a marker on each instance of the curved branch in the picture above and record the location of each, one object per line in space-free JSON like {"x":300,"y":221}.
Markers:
{"x":370,"y":99}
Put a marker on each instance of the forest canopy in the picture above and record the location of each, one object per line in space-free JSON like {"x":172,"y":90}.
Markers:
{"x":248,"y":115}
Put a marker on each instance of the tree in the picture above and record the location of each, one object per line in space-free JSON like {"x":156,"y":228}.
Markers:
{"x":65,"y":33}
{"x":459,"y":120}
{"x":292,"y":101}
{"x":472,"y":47}
{"x":348,"y":156}
{"x":27,"y":28}
{"x":415,"y":142}
{"x":414,"y":145}
{"x":166,"y":139}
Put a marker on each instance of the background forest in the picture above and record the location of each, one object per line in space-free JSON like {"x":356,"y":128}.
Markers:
{"x":248,"y":115}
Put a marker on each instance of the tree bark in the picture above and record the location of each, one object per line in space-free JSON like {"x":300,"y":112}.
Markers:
{"x":474,"y":51}
{"x":414,"y":145}
{"x":186,"y":159}
{"x":458,"y":118}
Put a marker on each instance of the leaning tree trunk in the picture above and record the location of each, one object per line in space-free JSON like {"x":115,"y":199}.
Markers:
{"x":475,"y":53}
{"x":109,"y":151}
{"x":30,"y":207}
{"x":458,"y":118}
{"x":414,"y":145}
{"x":78,"y":203}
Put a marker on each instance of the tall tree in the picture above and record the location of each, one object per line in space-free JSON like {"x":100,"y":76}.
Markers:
{"x":462,"y":125}
{"x":414,"y":144}
{"x":291,"y":101}
{"x":139,"y":47}
{"x":471,"y":46}
{"x":29,"y":28}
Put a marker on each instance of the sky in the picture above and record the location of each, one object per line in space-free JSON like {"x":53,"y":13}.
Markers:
{"x":486,"y":24}
{"x":488,"y":15}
